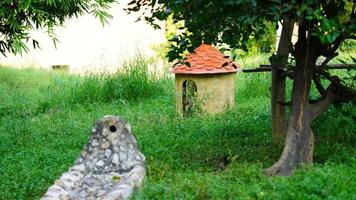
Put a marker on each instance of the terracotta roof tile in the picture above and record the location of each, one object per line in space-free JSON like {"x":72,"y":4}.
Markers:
{"x":205,"y":60}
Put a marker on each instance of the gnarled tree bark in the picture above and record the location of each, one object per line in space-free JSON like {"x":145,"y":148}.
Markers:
{"x":278,"y":62}
{"x":299,"y":142}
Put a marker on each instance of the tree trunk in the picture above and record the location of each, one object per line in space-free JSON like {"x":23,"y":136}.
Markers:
{"x":299,"y":142}
{"x":278,"y":62}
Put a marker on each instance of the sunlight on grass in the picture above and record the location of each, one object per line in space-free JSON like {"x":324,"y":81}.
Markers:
{"x":46,"y":118}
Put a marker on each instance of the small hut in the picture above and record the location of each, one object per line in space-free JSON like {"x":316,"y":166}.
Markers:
{"x":205,"y":80}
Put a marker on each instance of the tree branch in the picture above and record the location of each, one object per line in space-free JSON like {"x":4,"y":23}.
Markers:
{"x":327,"y":60}
{"x":336,"y":44}
{"x":288,"y":34}
{"x":335,"y":81}
{"x":322,"y":105}
{"x":318,"y":85}
{"x":343,"y":93}
{"x":335,"y":93}
{"x":331,"y":51}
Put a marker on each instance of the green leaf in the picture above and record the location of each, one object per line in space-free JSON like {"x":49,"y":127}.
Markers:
{"x":325,"y":25}
{"x":103,"y":16}
{"x":331,"y":37}
{"x":309,"y":17}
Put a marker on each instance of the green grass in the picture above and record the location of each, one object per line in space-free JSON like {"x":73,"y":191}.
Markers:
{"x":46,"y":118}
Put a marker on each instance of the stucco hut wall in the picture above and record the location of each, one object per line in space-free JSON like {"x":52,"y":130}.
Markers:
{"x":215,"y":92}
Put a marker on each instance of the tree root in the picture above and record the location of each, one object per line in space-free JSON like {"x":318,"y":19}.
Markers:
{"x":278,"y":169}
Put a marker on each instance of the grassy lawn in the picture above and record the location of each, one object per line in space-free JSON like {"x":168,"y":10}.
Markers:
{"x":46,"y":118}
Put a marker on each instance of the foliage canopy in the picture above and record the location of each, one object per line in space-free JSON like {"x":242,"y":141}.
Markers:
{"x":233,"y":22}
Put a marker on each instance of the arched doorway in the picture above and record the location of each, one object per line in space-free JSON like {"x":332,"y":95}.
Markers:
{"x":189,"y":96}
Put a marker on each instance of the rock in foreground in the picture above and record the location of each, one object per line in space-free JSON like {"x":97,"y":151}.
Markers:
{"x":109,"y":167}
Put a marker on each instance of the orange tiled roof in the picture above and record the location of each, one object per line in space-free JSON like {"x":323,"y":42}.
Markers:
{"x":205,"y":60}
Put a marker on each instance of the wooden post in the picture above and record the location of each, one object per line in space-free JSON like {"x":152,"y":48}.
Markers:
{"x":279,"y":122}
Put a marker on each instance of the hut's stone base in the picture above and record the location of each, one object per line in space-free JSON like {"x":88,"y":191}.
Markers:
{"x":109,"y":167}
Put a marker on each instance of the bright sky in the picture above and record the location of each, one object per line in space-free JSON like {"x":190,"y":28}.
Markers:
{"x":86,"y":45}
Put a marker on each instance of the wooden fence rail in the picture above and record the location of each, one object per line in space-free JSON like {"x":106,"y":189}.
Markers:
{"x":267,"y":68}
